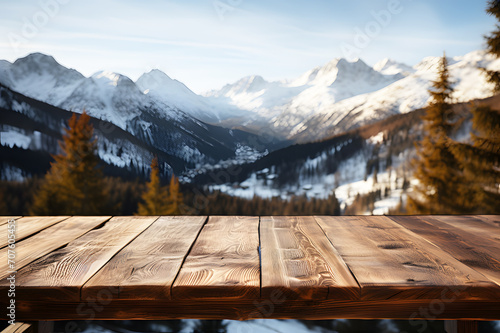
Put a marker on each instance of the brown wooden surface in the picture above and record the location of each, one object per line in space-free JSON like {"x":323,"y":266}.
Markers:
{"x":494,"y":219}
{"x":26,"y":226}
{"x":245,"y":309}
{"x":20,"y":327}
{"x":224,"y":261}
{"x":464,"y":247}
{"x":5,"y":219}
{"x":60,"y":275}
{"x":391,"y":262}
{"x":307,"y":267}
{"x":48,"y":240}
{"x":147,"y":267}
{"x":300,"y":262}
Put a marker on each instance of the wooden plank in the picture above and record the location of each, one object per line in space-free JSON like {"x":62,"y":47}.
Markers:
{"x":49,"y":239}
{"x":471,"y":227}
{"x":26,"y":226}
{"x":223,"y":263}
{"x":5,"y":219}
{"x":246,"y":309}
{"x":299,"y":261}
{"x":60,"y":275}
{"x":147,"y":267}
{"x":391,"y":262}
{"x":20,"y":327}
{"x":468,"y":248}
{"x":493,"y":219}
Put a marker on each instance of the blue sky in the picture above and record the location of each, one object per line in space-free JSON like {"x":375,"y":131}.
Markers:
{"x":208,"y":43}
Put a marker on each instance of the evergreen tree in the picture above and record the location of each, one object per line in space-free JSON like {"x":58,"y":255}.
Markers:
{"x":493,"y":43}
{"x":155,"y":197}
{"x":175,"y":199}
{"x":481,"y":162}
{"x":436,"y":167}
{"x":481,"y":159}
{"x":73,"y":185}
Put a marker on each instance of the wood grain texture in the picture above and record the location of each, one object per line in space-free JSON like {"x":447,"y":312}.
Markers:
{"x":147,"y":267}
{"x":26,"y":226}
{"x":250,"y":309}
{"x":49,"y":239}
{"x":223,"y":263}
{"x":493,"y":219}
{"x":5,"y":219}
{"x":60,"y":274}
{"x":391,"y":262}
{"x":468,"y":248}
{"x":20,"y":327}
{"x":299,"y":261}
{"x":473,"y":228}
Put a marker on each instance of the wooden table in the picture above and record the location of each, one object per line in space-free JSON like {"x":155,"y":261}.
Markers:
{"x":81,"y":268}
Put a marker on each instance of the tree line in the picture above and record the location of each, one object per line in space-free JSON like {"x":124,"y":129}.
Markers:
{"x":75,"y":185}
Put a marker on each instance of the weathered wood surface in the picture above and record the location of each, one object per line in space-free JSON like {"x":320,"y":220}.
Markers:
{"x":494,"y":219}
{"x":48,"y":240}
{"x":224,"y":261}
{"x":147,"y":267}
{"x":300,"y":262}
{"x":26,"y":226}
{"x":391,"y":262}
{"x":20,"y":327}
{"x":5,"y":219}
{"x":474,"y":251}
{"x":246,"y":267}
{"x":60,"y":274}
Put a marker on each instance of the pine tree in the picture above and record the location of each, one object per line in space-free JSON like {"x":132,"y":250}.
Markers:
{"x":175,"y":199}
{"x":493,"y":43}
{"x":481,"y":159}
{"x":436,"y":167}
{"x":155,"y":198}
{"x":73,"y":185}
{"x":481,"y":162}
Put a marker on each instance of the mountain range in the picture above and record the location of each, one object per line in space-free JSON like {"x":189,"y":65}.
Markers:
{"x":240,"y":123}
{"x":321,"y":102}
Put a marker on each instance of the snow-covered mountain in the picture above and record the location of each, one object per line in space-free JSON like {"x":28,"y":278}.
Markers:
{"x":341,"y":95}
{"x":287,"y":103}
{"x":117,"y":99}
{"x":389,"y":66}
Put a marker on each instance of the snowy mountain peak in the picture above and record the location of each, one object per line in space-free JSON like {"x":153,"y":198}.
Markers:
{"x":39,"y":59}
{"x":389,"y":66}
{"x":156,"y":81}
{"x":106,"y":77}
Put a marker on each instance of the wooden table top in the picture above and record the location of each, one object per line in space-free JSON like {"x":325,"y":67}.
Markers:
{"x":399,"y":267}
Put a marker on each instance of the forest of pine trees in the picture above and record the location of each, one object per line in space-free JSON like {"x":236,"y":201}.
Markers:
{"x":455,"y":177}
{"x":75,"y":185}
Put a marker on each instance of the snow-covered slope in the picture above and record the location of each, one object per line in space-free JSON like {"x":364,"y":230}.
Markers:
{"x":404,"y":95}
{"x":391,"y":67}
{"x":152,"y":118}
{"x":342,"y":95}
{"x":39,"y":76}
{"x":160,"y":86}
{"x":287,"y":103}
